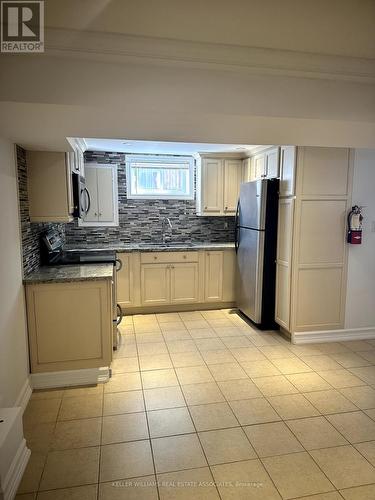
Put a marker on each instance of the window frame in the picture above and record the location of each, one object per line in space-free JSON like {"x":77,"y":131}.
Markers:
{"x":132,"y":158}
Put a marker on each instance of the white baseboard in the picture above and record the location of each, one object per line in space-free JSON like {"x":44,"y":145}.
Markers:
{"x":314,"y":337}
{"x":24,"y":395}
{"x":49,"y":380}
{"x":16,"y":470}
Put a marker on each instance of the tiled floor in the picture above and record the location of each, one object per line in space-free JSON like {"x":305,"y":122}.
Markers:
{"x":203,"y":406}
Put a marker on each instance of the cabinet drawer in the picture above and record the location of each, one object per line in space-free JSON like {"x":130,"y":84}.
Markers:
{"x":153,"y":257}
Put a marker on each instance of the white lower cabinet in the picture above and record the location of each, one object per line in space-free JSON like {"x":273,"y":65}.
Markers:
{"x":157,"y":279}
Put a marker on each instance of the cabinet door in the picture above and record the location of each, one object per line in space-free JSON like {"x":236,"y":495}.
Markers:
{"x":184,"y":283}
{"x":155,"y":284}
{"x":92,"y":187}
{"x":272,"y":163}
{"x":246,"y":170}
{"x":259,"y":166}
{"x":232,"y":181}
{"x":287,"y":170}
{"x":213,"y":286}
{"x":124,"y":280}
{"x":105,"y":194}
{"x":212,"y":180}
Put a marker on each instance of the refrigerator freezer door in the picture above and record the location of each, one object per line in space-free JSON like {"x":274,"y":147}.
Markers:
{"x":252,"y":205}
{"x":250,"y":265}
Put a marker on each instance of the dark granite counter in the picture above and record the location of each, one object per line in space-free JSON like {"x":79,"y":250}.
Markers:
{"x":76,"y":272}
{"x":152,"y":247}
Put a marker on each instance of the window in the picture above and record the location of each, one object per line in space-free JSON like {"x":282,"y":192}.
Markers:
{"x":160,"y":177}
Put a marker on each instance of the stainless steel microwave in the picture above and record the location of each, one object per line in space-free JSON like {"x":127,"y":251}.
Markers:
{"x":81,"y":196}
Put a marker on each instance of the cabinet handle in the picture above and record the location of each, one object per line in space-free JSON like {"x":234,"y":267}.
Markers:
{"x":95,"y":214}
{"x":185,"y":257}
{"x":208,"y":253}
{"x":155,"y":257}
{"x":205,"y":208}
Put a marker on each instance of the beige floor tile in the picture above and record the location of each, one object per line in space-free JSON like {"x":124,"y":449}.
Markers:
{"x":332,"y":495}
{"x":125,"y":460}
{"x":159,"y":362}
{"x":177,"y":453}
{"x":359,"y":493}
{"x":149,"y":338}
{"x":228,"y":332}
{"x":250,"y":355}
{"x":77,"y":434}
{"x":211,"y":344}
{"x":159,"y":378}
{"x":126,"y":427}
{"x":174,"y":335}
{"x":226,"y":445}
{"x":220,"y":322}
{"x":123,"y":402}
{"x":88,"y":492}
{"x":245,"y":480}
{"x":341,"y":378}
{"x":349,"y":360}
{"x":202,"y":333}
{"x":330,"y":401}
{"x":87,"y":390}
{"x":81,"y":407}
{"x":236,"y":342}
{"x":316,"y":432}
{"x":33,"y":473}
{"x":216,"y":357}
{"x":291,"y":365}
{"x":69,"y":468}
{"x":193,"y":484}
{"x":274,"y":386}
{"x":163,"y":397}
{"x":370,"y":413}
{"x":296,"y":475}
{"x":368,"y":450}
{"x":239,"y":389}
{"x":272,"y":439}
{"x":183,"y":359}
{"x":47,"y":394}
{"x":254,"y":411}
{"x":293,"y":406}
{"x":40,"y":411}
{"x":213,"y":416}
{"x":358,"y":345}
{"x":147,"y":328}
{"x":196,"y":324}
{"x":227,"y":371}
{"x":304,"y":350}
{"x":363,"y":396}
{"x":126,"y":351}
{"x":172,"y":325}
{"x":322,"y":362}
{"x":368,"y":355}
{"x":189,"y":315}
{"x":170,"y":422}
{"x":355,"y":426}
{"x":181,"y":346}
{"x":194,"y":375}
{"x":168,"y":317}
{"x":333,"y":348}
{"x":259,"y":368}
{"x":25,"y":496}
{"x":308,"y":382}
{"x":344,"y":466}
{"x":263,"y":340}
{"x":197,"y":394}
{"x":276,"y":352}
{"x":39,"y":436}
{"x":152,"y":348}
{"x":365,"y":373}
{"x":125,"y":365}
{"x":123,"y":382}
{"x":141,"y":488}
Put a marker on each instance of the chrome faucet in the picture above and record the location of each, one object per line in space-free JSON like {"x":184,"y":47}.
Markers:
{"x":163,"y":225}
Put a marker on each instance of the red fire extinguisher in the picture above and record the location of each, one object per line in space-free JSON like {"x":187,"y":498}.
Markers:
{"x":355,"y":219}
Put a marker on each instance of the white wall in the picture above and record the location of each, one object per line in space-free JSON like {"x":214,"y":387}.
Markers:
{"x":360,"y":301}
{"x":13,"y":343}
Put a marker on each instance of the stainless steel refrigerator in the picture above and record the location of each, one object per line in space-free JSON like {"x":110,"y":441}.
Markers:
{"x":256,"y":240}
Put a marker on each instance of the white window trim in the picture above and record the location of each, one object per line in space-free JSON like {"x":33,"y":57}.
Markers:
{"x":115,"y":222}
{"x":159,"y":159}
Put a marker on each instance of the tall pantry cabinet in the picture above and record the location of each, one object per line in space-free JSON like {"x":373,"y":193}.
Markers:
{"x":315,"y":195}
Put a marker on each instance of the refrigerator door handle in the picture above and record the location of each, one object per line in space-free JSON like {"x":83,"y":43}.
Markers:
{"x":237,"y":227}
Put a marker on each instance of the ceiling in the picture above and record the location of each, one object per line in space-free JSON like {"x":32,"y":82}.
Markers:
{"x":157,"y":147}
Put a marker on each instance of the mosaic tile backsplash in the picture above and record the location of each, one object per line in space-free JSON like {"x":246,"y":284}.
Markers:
{"x":140,"y":220}
{"x":30,"y":231}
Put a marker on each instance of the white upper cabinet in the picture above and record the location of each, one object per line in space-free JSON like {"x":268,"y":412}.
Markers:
{"x":232,"y":181}
{"x":101,"y":183}
{"x":262,"y":165}
{"x":218,"y":184}
{"x":287,"y":170}
{"x":272,"y":163}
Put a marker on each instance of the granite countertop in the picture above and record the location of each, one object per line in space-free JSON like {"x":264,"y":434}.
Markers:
{"x":76,"y":272}
{"x":150,"y":247}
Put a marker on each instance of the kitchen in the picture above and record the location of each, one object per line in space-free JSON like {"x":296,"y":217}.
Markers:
{"x":158,"y":340}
